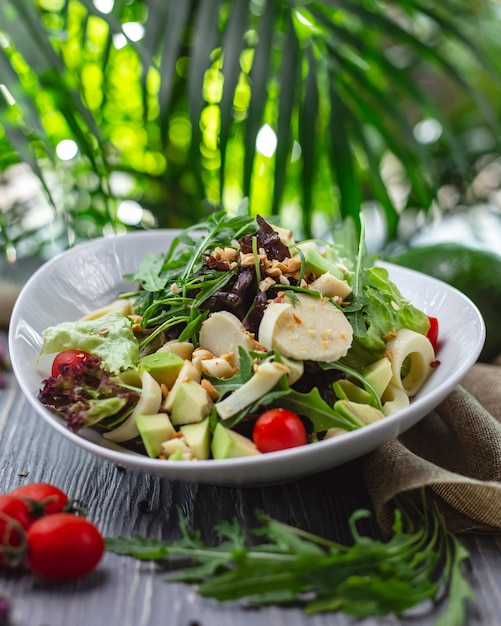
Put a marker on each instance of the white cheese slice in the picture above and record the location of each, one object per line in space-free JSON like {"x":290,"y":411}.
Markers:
{"x":222,"y":333}
{"x":306,"y":328}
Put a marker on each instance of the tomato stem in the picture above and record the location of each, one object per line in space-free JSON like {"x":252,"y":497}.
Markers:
{"x":12,"y":556}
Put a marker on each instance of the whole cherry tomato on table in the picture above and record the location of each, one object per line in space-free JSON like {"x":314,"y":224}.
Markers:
{"x":68,"y":357}
{"x":15,"y":519}
{"x":17,"y":509}
{"x":63,"y":546}
{"x":278,"y":429}
{"x":51,"y":498}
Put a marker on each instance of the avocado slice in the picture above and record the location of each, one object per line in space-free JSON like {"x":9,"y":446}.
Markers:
{"x":163,"y":366}
{"x":191,"y":403}
{"x":364,"y":413}
{"x":317,"y":264}
{"x":346,"y":390}
{"x":228,"y":444}
{"x":378,"y":374}
{"x":154,"y":430}
{"x":177,"y":455}
{"x":197,"y":436}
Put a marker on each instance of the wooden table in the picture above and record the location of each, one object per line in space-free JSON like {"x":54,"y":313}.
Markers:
{"x":125,"y":592}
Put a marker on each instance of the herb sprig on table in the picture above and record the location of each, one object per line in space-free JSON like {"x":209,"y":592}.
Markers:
{"x":283,"y":565}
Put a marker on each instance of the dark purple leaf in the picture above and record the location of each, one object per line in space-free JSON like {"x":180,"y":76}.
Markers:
{"x":315,"y":376}
{"x":267,"y":239}
{"x":237,"y":296}
{"x":217,"y":264}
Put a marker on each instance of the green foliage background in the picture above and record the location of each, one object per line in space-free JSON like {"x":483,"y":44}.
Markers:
{"x":165,"y":100}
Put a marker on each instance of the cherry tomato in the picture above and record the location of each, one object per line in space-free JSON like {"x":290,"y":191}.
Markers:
{"x":278,"y":429}
{"x":68,"y":357}
{"x":15,"y":519}
{"x":63,"y":546}
{"x":52,"y":499}
{"x":17,"y":509}
{"x":433,"y":331}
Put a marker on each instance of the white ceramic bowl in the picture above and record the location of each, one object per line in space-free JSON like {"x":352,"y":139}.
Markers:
{"x":91,"y":275}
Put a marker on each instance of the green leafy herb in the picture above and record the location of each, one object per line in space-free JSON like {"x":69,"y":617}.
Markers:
{"x":377,"y":308}
{"x":176,"y":285}
{"x":311,"y":404}
{"x":255,"y":254}
{"x":281,"y":564}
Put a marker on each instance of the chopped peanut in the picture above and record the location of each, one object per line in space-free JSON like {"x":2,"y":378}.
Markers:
{"x":210,"y":389}
{"x":265,"y":284}
{"x":247,"y":260}
{"x":202,"y":354}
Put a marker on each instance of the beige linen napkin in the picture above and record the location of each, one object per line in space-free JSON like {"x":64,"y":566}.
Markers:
{"x":454,"y":453}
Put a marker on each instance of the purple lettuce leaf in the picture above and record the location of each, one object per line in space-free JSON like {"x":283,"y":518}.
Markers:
{"x":86,"y":395}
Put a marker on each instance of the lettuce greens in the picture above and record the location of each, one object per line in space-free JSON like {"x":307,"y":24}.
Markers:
{"x":109,"y":337}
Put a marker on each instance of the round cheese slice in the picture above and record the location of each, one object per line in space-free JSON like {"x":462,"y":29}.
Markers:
{"x":306,"y":328}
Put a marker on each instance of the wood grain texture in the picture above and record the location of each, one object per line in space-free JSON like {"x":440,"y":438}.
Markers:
{"x":124,"y":592}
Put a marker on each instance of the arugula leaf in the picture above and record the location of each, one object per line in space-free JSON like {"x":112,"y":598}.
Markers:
{"x":175,"y":285}
{"x":460,"y":590}
{"x":420,"y":561}
{"x":314,"y":407}
{"x":148,"y":272}
{"x":376,"y":310}
{"x":192,"y":329}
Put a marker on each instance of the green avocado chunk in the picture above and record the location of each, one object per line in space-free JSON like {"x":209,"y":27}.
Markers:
{"x":197,"y":436}
{"x":163,"y":366}
{"x":191,"y":403}
{"x":346,"y":390}
{"x":317,"y":264}
{"x":228,"y":444}
{"x":365,"y":413}
{"x":154,"y":430}
{"x":378,"y":374}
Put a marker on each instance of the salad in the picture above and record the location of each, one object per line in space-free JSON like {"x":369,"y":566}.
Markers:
{"x":239,"y":341}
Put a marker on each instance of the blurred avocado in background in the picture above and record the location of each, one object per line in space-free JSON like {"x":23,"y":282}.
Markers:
{"x":458,"y":252}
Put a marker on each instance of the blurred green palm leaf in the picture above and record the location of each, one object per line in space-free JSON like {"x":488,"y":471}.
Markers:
{"x":204,"y":102}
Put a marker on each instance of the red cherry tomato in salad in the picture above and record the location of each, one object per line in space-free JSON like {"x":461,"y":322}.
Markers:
{"x":15,"y":519}
{"x":51,"y":498}
{"x":433,"y":331}
{"x":68,"y":357}
{"x":64,"y":546}
{"x":278,"y":429}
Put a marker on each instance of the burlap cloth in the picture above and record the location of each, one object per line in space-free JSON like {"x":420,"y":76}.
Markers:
{"x":454,"y":453}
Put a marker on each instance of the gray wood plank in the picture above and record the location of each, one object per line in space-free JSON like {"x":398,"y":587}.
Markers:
{"x":121,"y":501}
